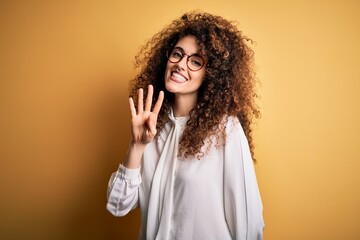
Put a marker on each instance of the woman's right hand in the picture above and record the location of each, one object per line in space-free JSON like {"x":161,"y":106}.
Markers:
{"x":143,"y":122}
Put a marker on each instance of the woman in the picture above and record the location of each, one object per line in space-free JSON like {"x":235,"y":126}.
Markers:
{"x":189,"y":165}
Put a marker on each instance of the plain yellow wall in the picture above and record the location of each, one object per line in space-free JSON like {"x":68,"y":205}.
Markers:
{"x":64,"y":119}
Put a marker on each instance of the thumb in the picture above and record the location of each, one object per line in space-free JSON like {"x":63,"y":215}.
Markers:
{"x":152,"y":126}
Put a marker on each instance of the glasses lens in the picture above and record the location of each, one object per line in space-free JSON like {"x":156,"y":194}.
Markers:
{"x":175,"y":55}
{"x":195,"y":63}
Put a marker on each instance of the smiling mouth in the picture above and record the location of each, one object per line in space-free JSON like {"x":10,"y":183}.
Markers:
{"x":177,"y":77}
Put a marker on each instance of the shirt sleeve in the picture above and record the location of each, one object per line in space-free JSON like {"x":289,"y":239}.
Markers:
{"x":123,"y":193}
{"x":243,"y":206}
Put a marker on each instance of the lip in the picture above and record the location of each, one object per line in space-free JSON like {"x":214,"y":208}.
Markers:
{"x":177,"y":80}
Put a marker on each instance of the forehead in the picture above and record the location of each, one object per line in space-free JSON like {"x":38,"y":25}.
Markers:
{"x":189,"y":45}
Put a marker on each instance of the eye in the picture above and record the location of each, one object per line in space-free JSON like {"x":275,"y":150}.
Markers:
{"x":176,"y":54}
{"x":196,"y":61}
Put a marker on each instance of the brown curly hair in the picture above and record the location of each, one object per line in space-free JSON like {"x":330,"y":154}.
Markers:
{"x":229,"y":83}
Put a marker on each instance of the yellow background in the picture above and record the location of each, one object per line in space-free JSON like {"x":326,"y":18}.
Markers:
{"x":64,"y":119}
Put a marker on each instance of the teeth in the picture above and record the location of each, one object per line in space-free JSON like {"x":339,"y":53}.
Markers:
{"x":179,"y":77}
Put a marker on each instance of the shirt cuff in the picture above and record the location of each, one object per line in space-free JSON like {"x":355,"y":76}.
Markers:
{"x":127,"y":173}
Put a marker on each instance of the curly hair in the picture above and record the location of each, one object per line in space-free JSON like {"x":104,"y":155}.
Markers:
{"x":229,"y":83}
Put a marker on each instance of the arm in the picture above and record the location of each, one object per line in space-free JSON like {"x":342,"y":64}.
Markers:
{"x":123,"y":186}
{"x":122,"y":195}
{"x":243,"y":206}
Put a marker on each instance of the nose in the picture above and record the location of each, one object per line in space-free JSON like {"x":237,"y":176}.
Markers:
{"x":183,"y":63}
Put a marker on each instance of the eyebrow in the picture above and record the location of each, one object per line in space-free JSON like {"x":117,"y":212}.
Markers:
{"x":183,"y":51}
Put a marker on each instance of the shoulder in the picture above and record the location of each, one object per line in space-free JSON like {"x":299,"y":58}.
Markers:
{"x":231,"y":123}
{"x":230,"y":120}
{"x":233,"y":128}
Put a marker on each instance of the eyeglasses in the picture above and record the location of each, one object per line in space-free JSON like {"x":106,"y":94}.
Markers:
{"x":194,"y":61}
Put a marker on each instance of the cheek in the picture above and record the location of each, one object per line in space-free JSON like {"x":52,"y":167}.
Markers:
{"x":199,"y":76}
{"x":167,"y":69}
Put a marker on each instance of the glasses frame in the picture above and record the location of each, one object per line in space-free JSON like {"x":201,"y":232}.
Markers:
{"x":169,"y":51}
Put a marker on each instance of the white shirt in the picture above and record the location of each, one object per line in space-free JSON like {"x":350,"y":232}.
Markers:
{"x":216,"y":197}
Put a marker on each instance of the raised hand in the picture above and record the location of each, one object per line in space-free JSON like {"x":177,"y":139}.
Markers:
{"x":143,"y":122}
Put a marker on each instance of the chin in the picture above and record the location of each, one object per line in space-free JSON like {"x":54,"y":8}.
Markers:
{"x":170,"y":87}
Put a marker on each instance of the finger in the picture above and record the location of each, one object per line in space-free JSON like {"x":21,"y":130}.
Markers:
{"x":132,"y":107}
{"x":158,"y":103}
{"x":140,"y":100}
{"x":149,"y":98}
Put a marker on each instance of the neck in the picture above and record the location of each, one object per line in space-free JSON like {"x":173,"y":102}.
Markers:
{"x":183,"y":105}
